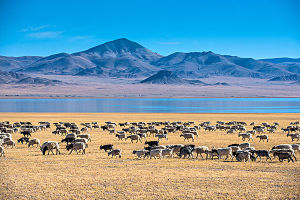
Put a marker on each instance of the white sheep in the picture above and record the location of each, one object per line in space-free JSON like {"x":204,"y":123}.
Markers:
{"x":167,"y":152}
{"x":225,"y":152}
{"x":246,"y":135}
{"x":188,"y":136}
{"x":200,"y":150}
{"x":34,"y":141}
{"x":77,"y":146}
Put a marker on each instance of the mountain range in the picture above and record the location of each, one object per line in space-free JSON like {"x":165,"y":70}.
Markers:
{"x":123,"y":58}
{"x":19,"y":78}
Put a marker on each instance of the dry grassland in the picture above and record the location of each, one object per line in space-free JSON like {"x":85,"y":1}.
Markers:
{"x":26,"y":174}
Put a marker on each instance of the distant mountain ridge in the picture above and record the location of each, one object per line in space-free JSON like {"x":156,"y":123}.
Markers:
{"x":123,"y":58}
{"x":294,"y":77}
{"x":18,"y":78}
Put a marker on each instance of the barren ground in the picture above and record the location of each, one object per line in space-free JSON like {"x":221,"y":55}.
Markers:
{"x":26,"y":174}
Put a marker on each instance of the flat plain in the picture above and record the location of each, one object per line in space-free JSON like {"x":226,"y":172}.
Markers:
{"x":26,"y":174}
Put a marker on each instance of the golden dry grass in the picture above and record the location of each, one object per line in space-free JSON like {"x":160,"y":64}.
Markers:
{"x":26,"y":174}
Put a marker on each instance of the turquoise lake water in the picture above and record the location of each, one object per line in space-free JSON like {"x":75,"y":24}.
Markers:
{"x":154,"y":105}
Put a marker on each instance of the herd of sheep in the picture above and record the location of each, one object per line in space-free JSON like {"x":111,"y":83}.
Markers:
{"x":77,"y":139}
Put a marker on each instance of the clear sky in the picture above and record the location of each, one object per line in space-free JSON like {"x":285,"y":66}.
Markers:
{"x":246,"y":28}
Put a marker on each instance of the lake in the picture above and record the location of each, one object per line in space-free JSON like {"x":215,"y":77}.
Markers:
{"x":154,"y":105}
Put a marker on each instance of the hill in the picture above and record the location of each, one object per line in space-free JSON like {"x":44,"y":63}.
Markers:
{"x":18,"y":78}
{"x":294,"y":77}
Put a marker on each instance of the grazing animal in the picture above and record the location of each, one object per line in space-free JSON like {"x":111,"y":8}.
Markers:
{"x":293,"y":136}
{"x":121,"y":136}
{"x":283,"y":156}
{"x":134,"y":137}
{"x":296,"y":147}
{"x":262,"y":153}
{"x":33,"y":142}
{"x":115,"y":152}
{"x":77,"y":146}
{"x":225,"y":152}
{"x":211,"y":153}
{"x":155,"y":153}
{"x":167,"y":152}
{"x":263,"y":138}
{"x":26,"y":133}
{"x":140,"y":153}
{"x":282,"y":146}
{"x":68,"y":140}
{"x":246,"y":136}
{"x":107,"y":147}
{"x":49,"y":146}
{"x":242,"y":155}
{"x":85,"y":136}
{"x":186,"y":151}
{"x":23,"y":139}
{"x":161,"y":136}
{"x":188,"y":136}
{"x":9,"y":143}
{"x":152,"y":143}
{"x":244,"y":145}
{"x":200,"y":150}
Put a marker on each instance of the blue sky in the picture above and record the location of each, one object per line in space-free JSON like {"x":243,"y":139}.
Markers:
{"x":246,"y":28}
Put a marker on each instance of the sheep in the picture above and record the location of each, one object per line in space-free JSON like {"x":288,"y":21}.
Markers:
{"x":49,"y":146}
{"x":2,"y":152}
{"x":211,"y":153}
{"x":246,"y":135}
{"x":282,"y":146}
{"x":81,"y":146}
{"x":140,"y":153}
{"x":115,"y":152}
{"x":142,"y":135}
{"x":290,"y":151}
{"x":71,"y":135}
{"x":9,"y":143}
{"x":296,"y":147}
{"x":244,"y":145}
{"x":33,"y":142}
{"x":283,"y":156}
{"x":121,"y":136}
{"x":231,"y":131}
{"x":68,"y":140}
{"x":200,"y":150}
{"x":294,"y":136}
{"x":85,"y":136}
{"x":81,"y":140}
{"x":152,"y":143}
{"x":176,"y":148}
{"x":262,"y":153}
{"x":225,"y":152}
{"x":263,"y":138}
{"x":167,"y":152}
{"x":161,"y":136}
{"x":186,"y":151}
{"x":253,"y":132}
{"x":134,"y":137}
{"x":154,"y":153}
{"x":249,"y":149}
{"x":188,"y":136}
{"x":234,"y":149}
{"x":23,"y":139}
{"x":107,"y":147}
{"x":242,"y":155}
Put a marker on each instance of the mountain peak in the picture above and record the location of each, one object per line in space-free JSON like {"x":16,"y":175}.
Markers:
{"x":117,"y":46}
